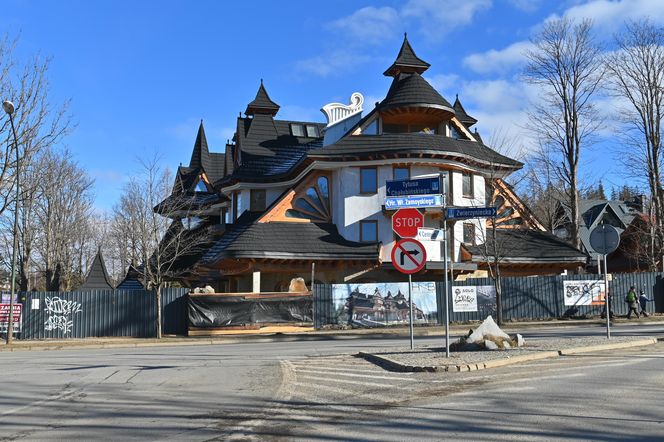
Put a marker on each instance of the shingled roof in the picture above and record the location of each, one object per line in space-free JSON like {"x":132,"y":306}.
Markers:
{"x":461,"y":114}
{"x":267,"y":148}
{"x":406,"y":61}
{"x":410,"y":89}
{"x":132,"y":280}
{"x":433,"y":144}
{"x":204,"y":161}
{"x":262,"y":104}
{"x":527,"y":246}
{"x":287,"y":240}
{"x":97,"y":278}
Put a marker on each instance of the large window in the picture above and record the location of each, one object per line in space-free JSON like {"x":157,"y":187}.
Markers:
{"x":369,"y":231}
{"x":257,"y":200}
{"x":314,"y":204}
{"x":467,"y":185}
{"x":401,"y":173}
{"x":469,"y":233}
{"x":368,"y":180}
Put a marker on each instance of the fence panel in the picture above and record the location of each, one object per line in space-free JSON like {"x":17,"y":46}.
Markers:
{"x":174,"y":311}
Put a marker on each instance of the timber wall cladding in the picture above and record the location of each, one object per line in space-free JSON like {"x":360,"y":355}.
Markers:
{"x":101,"y":313}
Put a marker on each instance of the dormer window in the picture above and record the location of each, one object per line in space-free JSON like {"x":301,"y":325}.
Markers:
{"x":297,"y":130}
{"x":201,"y":186}
{"x":312,"y":131}
{"x":192,"y":222}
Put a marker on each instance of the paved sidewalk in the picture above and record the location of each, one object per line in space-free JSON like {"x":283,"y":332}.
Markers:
{"x":433,"y":359}
{"x":309,"y":334}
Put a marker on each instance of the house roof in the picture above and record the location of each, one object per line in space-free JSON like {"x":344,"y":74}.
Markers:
{"x":410,"y":89}
{"x":406,"y":61}
{"x":181,"y":248}
{"x":204,"y":161}
{"x":593,"y":211}
{"x":528,"y":246}
{"x":262,"y":104}
{"x":287,"y":240}
{"x":461,"y":114}
{"x":132,"y":280}
{"x":97,"y":278}
{"x":188,"y":201}
{"x":412,"y":143}
{"x":268,"y":149}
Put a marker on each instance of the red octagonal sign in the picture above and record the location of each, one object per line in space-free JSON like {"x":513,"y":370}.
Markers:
{"x":405,"y":222}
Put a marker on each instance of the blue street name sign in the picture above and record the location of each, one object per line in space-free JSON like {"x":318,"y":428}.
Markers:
{"x":419,"y":186}
{"x":470,"y":212}
{"x":402,"y":202}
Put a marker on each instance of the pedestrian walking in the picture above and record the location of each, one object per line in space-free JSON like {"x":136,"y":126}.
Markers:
{"x":643,"y":303}
{"x":632,"y":304}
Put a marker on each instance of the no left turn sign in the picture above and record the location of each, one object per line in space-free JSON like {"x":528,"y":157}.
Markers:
{"x":409,"y":256}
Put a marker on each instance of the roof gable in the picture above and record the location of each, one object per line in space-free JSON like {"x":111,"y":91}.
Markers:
{"x":461,"y":114}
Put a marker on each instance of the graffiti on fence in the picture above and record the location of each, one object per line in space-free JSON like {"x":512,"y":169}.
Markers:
{"x":60,"y":313}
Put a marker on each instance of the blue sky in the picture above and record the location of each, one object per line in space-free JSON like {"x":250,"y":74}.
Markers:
{"x":141,"y":74}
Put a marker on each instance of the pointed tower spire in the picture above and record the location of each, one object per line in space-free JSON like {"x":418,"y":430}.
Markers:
{"x":262,"y":104}
{"x":199,"y":157}
{"x":406,"y":61}
{"x":461,"y":114}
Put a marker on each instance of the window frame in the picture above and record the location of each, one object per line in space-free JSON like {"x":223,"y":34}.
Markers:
{"x":375,"y":187}
{"x":253,"y":192}
{"x":369,"y":222}
{"x":471,"y":182}
{"x":315,"y":129}
{"x":474,"y":234}
{"x":301,"y":127}
{"x":394,"y":168}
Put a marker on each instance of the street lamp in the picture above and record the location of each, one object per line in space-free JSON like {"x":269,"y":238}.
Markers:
{"x":8,"y":106}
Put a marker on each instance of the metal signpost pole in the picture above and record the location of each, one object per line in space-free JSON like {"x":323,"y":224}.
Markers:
{"x":410,"y":304}
{"x":445,"y":295}
{"x":606,"y":300}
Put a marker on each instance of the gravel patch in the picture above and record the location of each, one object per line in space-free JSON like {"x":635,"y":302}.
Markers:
{"x":434,"y":356}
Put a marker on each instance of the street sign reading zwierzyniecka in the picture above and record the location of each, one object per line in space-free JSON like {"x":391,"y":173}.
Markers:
{"x":470,"y":212}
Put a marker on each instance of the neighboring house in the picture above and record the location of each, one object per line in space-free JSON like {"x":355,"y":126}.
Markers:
{"x":628,"y":219}
{"x":97,"y":278}
{"x":288,"y":194}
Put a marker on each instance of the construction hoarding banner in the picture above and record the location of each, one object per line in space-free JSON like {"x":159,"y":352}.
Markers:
{"x":584,"y":292}
{"x":381,"y":304}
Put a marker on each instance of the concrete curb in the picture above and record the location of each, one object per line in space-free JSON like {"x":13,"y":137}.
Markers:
{"x":392,"y":365}
{"x":614,"y":346}
{"x":266,"y":338}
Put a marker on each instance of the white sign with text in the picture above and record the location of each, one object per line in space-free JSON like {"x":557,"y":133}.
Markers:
{"x":464,"y":299}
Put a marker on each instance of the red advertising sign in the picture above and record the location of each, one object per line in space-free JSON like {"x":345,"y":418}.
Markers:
{"x":405,"y":222}
{"x":409,"y":256}
{"x":4,"y":317}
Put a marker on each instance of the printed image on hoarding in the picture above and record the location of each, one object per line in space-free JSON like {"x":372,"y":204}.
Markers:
{"x":486,"y":299}
{"x":380,"y":304}
{"x":583,"y":292}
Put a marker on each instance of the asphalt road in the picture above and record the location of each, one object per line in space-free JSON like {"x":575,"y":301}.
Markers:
{"x":258,"y":391}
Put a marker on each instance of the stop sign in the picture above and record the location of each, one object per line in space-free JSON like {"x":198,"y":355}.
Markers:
{"x":405,"y":222}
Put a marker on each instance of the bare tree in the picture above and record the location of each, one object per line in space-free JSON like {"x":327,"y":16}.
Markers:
{"x":39,"y":123}
{"x":63,"y":212}
{"x":566,"y":64}
{"x":161,"y":244}
{"x":636,"y":71}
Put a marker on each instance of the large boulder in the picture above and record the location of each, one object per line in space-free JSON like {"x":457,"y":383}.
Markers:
{"x":488,"y":327}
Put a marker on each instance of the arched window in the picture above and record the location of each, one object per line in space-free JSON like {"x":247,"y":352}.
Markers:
{"x":314,"y":205}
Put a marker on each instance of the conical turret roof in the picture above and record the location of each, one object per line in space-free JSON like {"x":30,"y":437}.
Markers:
{"x":410,"y":89}
{"x":97,"y":276}
{"x":200,"y":155}
{"x":406,"y":61}
{"x":262,"y":104}
{"x":461,"y":114}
